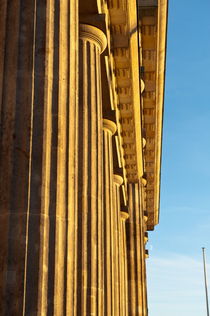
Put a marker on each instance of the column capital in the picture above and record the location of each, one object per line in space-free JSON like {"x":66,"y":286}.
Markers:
{"x":145,"y":237}
{"x":144,"y":142}
{"x":110,"y":126}
{"x":144,"y":181}
{"x":142,"y":85}
{"x":145,"y":214}
{"x":124,"y":215}
{"x":93,"y":34}
{"x":118,"y":179}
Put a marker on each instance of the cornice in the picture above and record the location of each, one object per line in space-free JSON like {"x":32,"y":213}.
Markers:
{"x":123,"y":59}
{"x":153,"y":21}
{"x":138,"y":101}
{"x":160,"y":87}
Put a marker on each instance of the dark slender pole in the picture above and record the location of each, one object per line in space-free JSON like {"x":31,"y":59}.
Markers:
{"x":205,"y":278}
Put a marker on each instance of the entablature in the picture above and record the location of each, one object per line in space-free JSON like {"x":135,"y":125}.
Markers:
{"x":134,"y":63}
{"x":153,"y":28}
{"x":123,"y":59}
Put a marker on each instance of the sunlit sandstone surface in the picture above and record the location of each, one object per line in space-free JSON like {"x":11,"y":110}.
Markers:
{"x":82,"y":87}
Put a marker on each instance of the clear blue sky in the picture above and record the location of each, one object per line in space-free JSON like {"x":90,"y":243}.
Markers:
{"x":175,"y":275}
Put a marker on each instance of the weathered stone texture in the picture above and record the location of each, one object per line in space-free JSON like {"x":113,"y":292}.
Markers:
{"x":81,"y":96}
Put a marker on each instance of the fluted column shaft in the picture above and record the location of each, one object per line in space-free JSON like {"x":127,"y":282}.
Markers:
{"x":143,"y":220}
{"x":38,"y":89}
{"x":109,"y":128}
{"x":90,"y":174}
{"x":123,"y":265}
{"x":116,"y":219}
{"x":136,"y":253}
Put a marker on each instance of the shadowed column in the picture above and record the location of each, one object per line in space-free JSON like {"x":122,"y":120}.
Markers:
{"x":38,"y":93}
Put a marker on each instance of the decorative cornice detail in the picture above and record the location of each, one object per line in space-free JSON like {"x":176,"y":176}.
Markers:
{"x":153,"y":27}
{"x":124,"y":36}
{"x":137,"y":49}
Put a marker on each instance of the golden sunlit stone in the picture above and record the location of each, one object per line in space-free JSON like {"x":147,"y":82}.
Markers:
{"x":82,"y":89}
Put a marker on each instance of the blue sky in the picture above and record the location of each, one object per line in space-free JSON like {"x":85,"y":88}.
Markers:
{"x":175,"y":272}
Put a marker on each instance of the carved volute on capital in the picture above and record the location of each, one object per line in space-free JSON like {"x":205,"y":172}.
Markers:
{"x":109,"y":126}
{"x":93,"y":34}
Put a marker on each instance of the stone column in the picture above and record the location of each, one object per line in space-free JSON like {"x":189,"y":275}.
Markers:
{"x":144,"y":218}
{"x":136,"y":252}
{"x":38,"y":100}
{"x":123,"y":265}
{"x":109,"y":128}
{"x":90,"y":174}
{"x":116,"y":223}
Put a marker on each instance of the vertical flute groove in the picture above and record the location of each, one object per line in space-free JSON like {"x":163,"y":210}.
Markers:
{"x":44,"y":229}
{"x":71,"y":276}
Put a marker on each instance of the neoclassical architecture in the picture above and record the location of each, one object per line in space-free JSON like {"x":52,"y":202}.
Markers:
{"x":81,"y":108}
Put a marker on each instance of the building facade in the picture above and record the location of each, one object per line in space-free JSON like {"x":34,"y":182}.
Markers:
{"x":81,"y":96}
